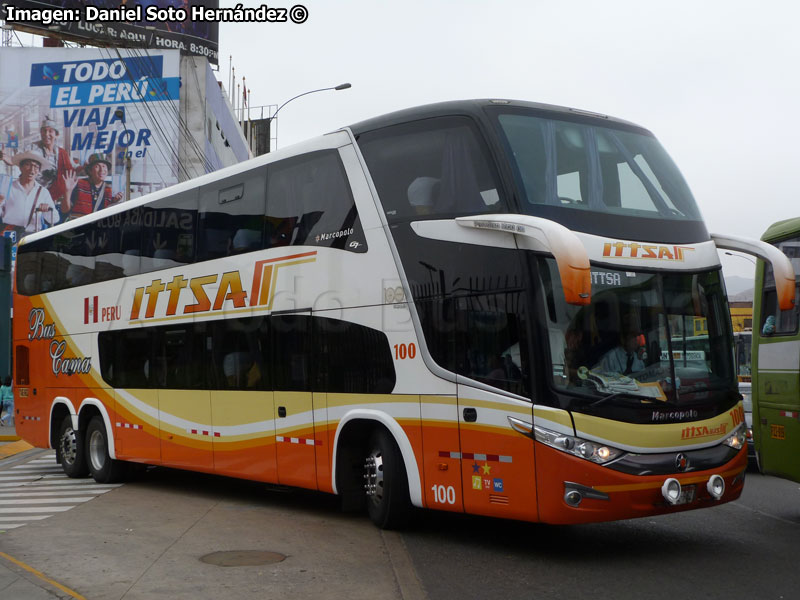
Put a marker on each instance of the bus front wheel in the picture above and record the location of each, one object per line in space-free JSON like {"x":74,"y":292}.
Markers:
{"x":386,"y":483}
{"x":102,"y":467}
{"x":70,"y":450}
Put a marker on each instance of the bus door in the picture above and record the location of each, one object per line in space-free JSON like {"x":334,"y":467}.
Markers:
{"x":184,"y":399}
{"x":497,"y":469}
{"x":295,"y":440}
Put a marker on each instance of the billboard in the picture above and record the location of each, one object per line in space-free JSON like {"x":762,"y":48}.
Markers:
{"x":156,"y":24}
{"x":79,"y":127}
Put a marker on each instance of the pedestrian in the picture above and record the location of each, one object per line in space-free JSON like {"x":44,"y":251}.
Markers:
{"x":7,"y":402}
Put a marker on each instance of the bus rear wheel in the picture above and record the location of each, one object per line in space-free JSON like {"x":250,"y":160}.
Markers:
{"x":386,"y":483}
{"x":70,"y":450}
{"x":102,"y":467}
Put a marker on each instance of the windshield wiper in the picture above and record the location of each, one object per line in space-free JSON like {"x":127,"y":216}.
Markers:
{"x":605,"y":399}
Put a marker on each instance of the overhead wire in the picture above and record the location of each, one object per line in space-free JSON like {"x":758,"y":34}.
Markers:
{"x":154,"y":118}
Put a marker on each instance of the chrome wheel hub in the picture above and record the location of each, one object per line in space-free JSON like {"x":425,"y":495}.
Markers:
{"x":373,"y":476}
{"x":69,"y":446}
{"x":97,"y":450}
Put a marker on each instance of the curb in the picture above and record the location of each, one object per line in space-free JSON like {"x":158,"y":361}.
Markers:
{"x":13,"y":448}
{"x":9,"y":438}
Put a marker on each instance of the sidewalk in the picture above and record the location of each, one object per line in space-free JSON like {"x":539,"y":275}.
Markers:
{"x":8,"y":433}
{"x":10,"y":443}
{"x":19,"y":581}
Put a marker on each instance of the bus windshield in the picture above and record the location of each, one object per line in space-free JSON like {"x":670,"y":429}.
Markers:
{"x":645,"y":339}
{"x":581,"y":166}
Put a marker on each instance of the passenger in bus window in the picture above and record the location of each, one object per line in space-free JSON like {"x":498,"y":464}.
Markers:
{"x":625,"y":358}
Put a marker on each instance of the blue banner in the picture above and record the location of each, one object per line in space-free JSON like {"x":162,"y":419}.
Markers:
{"x":155,"y":89}
{"x":95,"y":71}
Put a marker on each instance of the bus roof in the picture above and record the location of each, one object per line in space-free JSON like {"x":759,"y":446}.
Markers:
{"x":475,"y":107}
{"x":781,"y":229}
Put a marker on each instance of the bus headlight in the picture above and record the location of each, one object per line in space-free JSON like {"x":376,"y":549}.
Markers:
{"x":671,"y":490}
{"x":737,"y":439}
{"x":588,"y":450}
{"x":716,"y":486}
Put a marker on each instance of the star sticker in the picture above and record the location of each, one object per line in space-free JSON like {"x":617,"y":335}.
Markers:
{"x":476,"y":468}
{"x":486,"y":469}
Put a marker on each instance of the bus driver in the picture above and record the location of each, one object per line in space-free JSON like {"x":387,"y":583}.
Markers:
{"x":625,"y":358}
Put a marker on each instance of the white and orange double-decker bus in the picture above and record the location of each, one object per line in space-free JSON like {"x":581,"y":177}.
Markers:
{"x":476,"y":306}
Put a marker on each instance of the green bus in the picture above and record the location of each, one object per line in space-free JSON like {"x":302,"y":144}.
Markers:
{"x":776,"y":362}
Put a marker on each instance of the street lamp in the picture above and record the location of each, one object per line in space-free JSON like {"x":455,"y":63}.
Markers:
{"x":341,"y":86}
{"x":741,"y":256}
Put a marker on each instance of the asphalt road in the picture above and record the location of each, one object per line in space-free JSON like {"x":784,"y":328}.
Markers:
{"x":744,"y":549}
{"x":146,"y":539}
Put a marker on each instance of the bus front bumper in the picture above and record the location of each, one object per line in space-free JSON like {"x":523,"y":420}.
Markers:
{"x":588,"y":492}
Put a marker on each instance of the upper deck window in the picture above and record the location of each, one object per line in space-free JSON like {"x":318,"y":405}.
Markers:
{"x":434,"y":167}
{"x":303,"y":201}
{"x":594,"y":168}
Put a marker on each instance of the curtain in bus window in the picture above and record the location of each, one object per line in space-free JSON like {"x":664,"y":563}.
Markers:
{"x":168,"y":232}
{"x":231,"y":219}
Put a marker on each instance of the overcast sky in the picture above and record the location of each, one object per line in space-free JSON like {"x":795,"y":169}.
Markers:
{"x":717,"y":81}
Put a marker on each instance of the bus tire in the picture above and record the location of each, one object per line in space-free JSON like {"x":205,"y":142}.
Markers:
{"x":102,"y":467}
{"x":70,"y":450}
{"x":388,"y":503}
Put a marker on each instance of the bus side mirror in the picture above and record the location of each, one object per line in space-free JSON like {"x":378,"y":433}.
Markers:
{"x":544,"y":235}
{"x":781,"y":265}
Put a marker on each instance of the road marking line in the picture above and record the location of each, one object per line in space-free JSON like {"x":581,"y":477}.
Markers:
{"x":36,"y":509}
{"x":42,"y":576}
{"x":43,"y":494}
{"x":23,"y":501}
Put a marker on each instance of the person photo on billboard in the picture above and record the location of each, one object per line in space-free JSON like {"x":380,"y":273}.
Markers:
{"x":92,"y":193}
{"x":29,"y":206}
{"x":53,"y":177}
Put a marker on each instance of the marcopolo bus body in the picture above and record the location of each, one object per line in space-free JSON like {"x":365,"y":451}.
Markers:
{"x":776,"y":363}
{"x":426,"y":309}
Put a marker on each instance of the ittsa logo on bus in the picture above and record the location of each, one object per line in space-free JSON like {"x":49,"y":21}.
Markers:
{"x":703,"y":431}
{"x":261,"y":293}
{"x":644,"y":251}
